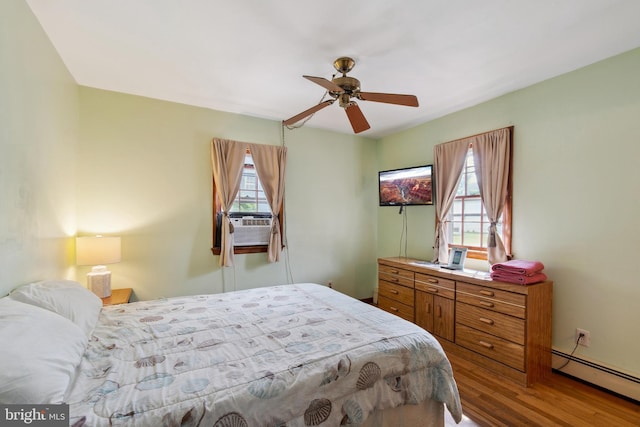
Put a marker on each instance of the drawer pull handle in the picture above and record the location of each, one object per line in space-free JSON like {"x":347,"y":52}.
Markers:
{"x":395,"y":271}
{"x":395,"y":279}
{"x":432,"y":280}
{"x":487,"y":293}
{"x":486,"y":304}
{"x":393,"y":291}
{"x":428,"y":308}
{"x":393,"y":308}
{"x":485,"y":344}
{"x":487,"y":321}
{"x":434,"y":290}
{"x":439,"y":311}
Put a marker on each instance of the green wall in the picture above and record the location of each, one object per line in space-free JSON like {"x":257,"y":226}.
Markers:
{"x":38,"y":141}
{"x":575,"y":203}
{"x":145,"y":174}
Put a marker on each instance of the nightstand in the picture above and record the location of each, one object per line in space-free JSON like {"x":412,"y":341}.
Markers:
{"x":118,"y":296}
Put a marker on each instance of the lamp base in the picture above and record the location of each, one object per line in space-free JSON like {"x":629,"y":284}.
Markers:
{"x":99,"y":281}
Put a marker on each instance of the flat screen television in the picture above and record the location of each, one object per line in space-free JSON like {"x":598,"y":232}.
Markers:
{"x":406,"y":187}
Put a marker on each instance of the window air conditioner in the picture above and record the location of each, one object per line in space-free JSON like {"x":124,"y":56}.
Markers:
{"x":250,"y":231}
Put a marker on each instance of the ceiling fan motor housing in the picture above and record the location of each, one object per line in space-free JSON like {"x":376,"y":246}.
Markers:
{"x":348,"y":84}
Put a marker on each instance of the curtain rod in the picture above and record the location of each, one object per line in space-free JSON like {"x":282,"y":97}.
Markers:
{"x":478,"y":134}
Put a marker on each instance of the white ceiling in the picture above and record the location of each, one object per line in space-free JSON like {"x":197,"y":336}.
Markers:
{"x":248,"y":56}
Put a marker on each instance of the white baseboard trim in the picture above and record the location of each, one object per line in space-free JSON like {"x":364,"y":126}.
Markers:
{"x":596,"y":373}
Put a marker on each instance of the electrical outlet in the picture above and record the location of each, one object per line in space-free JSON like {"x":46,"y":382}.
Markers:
{"x":585,"y":341}
{"x":330,"y":284}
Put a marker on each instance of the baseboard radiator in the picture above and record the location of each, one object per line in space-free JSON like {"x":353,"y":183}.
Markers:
{"x":619,"y":382}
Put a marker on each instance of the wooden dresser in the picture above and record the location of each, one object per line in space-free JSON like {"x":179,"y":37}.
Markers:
{"x":501,"y":326}
{"x":396,"y":291}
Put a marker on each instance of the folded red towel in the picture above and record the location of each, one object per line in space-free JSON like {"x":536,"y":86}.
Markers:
{"x":519,"y":266}
{"x":519,"y":279}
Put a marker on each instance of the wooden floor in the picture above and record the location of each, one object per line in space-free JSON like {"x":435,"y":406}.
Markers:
{"x":559,"y":401}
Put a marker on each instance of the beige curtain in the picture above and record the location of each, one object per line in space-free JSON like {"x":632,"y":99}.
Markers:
{"x":270,"y":164}
{"x":491,"y":154}
{"x":448,"y":161}
{"x":227,"y":161}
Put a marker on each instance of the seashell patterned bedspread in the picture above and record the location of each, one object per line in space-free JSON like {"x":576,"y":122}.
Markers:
{"x":294,"y":355}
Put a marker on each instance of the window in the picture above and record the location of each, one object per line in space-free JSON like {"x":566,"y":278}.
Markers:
{"x":250,"y":201}
{"x":469,"y":224}
{"x":250,"y":198}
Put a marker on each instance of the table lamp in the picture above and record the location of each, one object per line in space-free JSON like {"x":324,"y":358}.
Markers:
{"x":98,"y":251}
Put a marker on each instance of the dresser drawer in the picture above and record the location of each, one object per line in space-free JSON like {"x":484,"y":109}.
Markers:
{"x":492,"y":299}
{"x":491,"y":322}
{"x":396,"y":292}
{"x":435,"y":285}
{"x":399,"y":309}
{"x":395,"y":271}
{"x":398,"y":280}
{"x":498,"y":349}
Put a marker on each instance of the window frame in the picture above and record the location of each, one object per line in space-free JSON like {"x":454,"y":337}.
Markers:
{"x":217,"y":208}
{"x":480,"y":253}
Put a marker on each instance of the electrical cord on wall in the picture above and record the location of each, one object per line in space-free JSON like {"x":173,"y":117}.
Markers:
{"x":285,"y":242}
{"x":570,"y":358}
{"x":404,"y":234}
{"x":225,"y":279}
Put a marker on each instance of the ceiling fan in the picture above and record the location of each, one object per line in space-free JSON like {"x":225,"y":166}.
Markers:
{"x":344,"y":89}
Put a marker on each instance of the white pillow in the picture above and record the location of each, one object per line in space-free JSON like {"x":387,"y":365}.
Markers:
{"x":40,"y":353}
{"x":67,"y":298}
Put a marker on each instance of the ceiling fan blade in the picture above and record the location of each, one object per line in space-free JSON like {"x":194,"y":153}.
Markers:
{"x":357,"y":119}
{"x":390,"y":98}
{"x":308,"y":112}
{"x":327,"y":84}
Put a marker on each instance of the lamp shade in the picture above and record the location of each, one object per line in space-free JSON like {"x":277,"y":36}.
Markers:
{"x":97,"y":250}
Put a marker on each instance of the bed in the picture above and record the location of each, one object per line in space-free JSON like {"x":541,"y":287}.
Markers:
{"x":289,"y":355}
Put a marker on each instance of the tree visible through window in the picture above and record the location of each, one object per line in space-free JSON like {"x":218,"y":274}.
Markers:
{"x":469,"y":224}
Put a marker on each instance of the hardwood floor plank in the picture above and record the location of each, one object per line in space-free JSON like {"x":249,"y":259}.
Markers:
{"x":489,"y":400}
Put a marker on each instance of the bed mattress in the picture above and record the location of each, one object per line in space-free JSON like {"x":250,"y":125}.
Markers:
{"x":294,"y":355}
